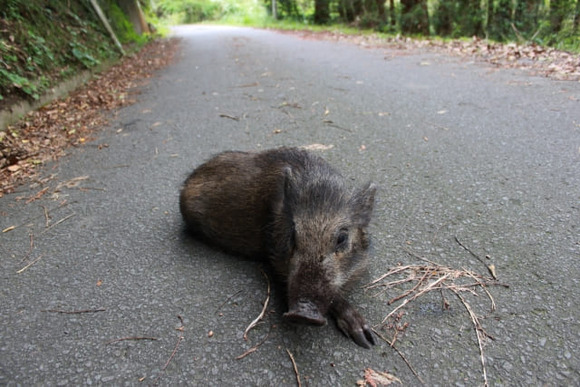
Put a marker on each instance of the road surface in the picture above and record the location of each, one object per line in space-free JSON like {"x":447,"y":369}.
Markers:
{"x":100,"y":286}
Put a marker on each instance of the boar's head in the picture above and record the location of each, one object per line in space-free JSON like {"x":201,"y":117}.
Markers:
{"x":321,"y":239}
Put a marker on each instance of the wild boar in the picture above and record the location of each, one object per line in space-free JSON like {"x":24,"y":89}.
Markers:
{"x":291,"y":208}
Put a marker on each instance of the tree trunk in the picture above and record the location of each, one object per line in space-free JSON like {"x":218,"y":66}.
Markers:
{"x":526,"y":16}
{"x":414,"y":17}
{"x":133,"y":11}
{"x":577,"y":18}
{"x":499,"y":27}
{"x":381,"y":9}
{"x":393,"y":13}
{"x":444,"y":17}
{"x":321,"y":11}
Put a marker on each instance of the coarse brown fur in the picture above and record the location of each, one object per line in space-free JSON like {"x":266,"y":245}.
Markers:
{"x":293,"y":209}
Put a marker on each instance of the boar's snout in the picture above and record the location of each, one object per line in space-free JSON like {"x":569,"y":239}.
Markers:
{"x":305,"y":312}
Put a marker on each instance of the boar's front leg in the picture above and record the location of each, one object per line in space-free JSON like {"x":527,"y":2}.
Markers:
{"x":351,"y":323}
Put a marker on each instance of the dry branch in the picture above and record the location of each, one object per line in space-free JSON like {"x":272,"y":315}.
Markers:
{"x":295,"y":368}
{"x":257,"y":319}
{"x":172,"y":353}
{"x":490,"y":268}
{"x":392,"y":345}
{"x":479,"y":332}
{"x":74,"y":311}
{"x":255,"y":347}
{"x":130,"y":338}
{"x":59,"y":222}
{"x":422,"y":279}
{"x":227,"y":299}
{"x":29,"y":264}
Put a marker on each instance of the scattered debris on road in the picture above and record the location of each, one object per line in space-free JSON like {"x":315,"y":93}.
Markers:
{"x":44,"y":134}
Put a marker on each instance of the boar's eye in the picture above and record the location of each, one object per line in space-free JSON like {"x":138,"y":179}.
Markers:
{"x":342,"y":240}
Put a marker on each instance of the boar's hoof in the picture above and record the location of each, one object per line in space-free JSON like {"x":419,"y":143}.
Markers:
{"x":305,"y":312}
{"x":353,"y":325}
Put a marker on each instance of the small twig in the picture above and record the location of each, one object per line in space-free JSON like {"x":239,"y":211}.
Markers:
{"x":438,"y":126}
{"x":230,"y":117}
{"x":172,"y":353}
{"x":392,"y":345}
{"x":432,"y":286}
{"x":46,"y":216}
{"x":30,"y":264}
{"x":255,"y":347}
{"x":227,"y":299}
{"x":414,"y":254}
{"x":333,"y":125}
{"x":59,"y":222}
{"x":7,"y":229}
{"x":490,"y":268}
{"x":37,"y":196}
{"x":478,"y":332}
{"x":74,"y":311}
{"x":31,"y":236}
{"x":295,"y":368}
{"x":130,"y":338}
{"x":257,"y":319}
{"x":396,"y":270}
{"x":414,"y":288}
{"x":468,"y":250}
{"x":484,"y":289}
{"x":179,"y":340}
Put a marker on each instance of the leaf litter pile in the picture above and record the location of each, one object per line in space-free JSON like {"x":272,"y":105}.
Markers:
{"x":538,"y":60}
{"x":44,"y":134}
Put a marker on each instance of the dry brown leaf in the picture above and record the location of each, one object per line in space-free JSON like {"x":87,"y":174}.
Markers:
{"x":43,"y":134}
{"x":317,"y":147}
{"x":377,"y":378}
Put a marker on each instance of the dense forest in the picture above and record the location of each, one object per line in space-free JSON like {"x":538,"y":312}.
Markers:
{"x":545,"y":22}
{"x":45,"y":41}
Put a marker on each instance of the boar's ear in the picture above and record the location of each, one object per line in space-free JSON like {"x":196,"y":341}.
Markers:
{"x":362,"y":203}
{"x":284,"y":193}
{"x":289,"y":193}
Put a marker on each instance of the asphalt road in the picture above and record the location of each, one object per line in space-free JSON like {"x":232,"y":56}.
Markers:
{"x":459,"y":150}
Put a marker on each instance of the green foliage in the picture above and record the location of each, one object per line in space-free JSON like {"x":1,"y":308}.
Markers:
{"x":190,"y":11}
{"x":80,"y":53}
{"x":244,"y":12}
{"x":44,"y":41}
{"x":122,"y":26}
{"x":12,"y":80}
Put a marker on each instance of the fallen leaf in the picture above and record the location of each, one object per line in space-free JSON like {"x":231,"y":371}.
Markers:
{"x":43,"y":134}
{"x":376,"y":378}
{"x":317,"y":147}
